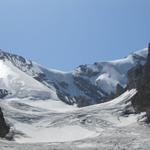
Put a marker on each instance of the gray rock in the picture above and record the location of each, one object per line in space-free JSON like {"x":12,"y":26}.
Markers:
{"x":4,"y":128}
{"x":139,"y":78}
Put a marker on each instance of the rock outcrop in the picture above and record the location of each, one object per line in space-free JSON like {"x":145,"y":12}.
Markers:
{"x":139,"y":78}
{"x":4,"y":128}
{"x":119,"y":90}
{"x":3,"y":93}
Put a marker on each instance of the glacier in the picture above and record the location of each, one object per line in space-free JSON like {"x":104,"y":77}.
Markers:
{"x":101,"y":126}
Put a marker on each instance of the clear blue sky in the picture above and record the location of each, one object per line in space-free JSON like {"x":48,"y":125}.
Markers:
{"x":63,"y":34}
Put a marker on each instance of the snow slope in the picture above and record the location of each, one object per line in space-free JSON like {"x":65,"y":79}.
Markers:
{"x":21,"y":85}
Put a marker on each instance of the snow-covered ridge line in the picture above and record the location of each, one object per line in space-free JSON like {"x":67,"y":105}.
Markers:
{"x":7,"y":55}
{"x":86,"y":85}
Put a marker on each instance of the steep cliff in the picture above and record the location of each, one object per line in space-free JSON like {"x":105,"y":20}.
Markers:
{"x":139,"y":78}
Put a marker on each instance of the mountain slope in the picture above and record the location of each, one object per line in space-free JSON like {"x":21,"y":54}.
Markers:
{"x":20,"y":84}
{"x":86,"y":85}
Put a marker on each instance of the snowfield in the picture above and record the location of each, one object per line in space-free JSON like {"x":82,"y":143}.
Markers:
{"x":103,"y":126}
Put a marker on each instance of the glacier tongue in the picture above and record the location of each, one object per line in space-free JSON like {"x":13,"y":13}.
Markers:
{"x":39,"y":124}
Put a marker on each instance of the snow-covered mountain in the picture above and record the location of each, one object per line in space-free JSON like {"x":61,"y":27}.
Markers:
{"x":34,"y":107}
{"x":86,"y":85}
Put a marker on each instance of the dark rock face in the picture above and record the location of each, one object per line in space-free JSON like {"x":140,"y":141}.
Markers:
{"x":3,"y":93}
{"x":16,"y":60}
{"x":83,"y":101}
{"x":139,"y":78}
{"x":119,"y":90}
{"x":4,"y":129}
{"x":63,"y":84}
{"x":91,"y":94}
{"x":87,"y":71}
{"x":40,"y":77}
{"x":134,"y":77}
{"x":65,"y":97}
{"x":87,"y":88}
